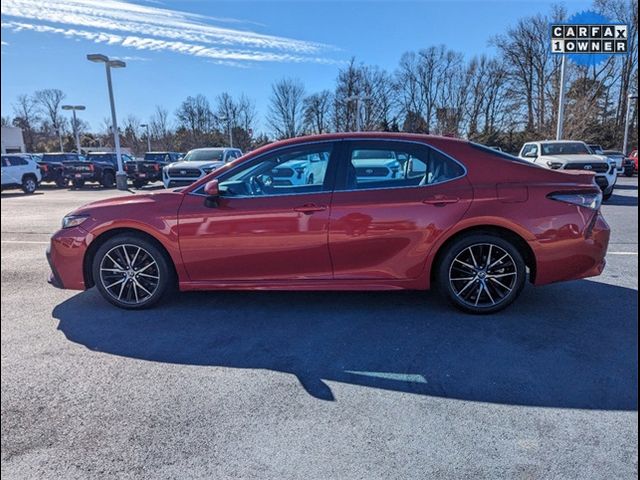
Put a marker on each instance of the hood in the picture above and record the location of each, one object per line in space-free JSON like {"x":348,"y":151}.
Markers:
{"x":578,"y":158}
{"x":128,"y":200}
{"x":210,"y":163}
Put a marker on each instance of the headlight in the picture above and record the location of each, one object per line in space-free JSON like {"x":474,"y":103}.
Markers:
{"x":591,"y":200}
{"x":73,"y":220}
{"x":208,"y":169}
{"x":554,"y":165}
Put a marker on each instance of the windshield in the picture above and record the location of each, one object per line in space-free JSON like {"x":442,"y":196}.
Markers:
{"x":565,"y":148}
{"x":209,"y":155}
{"x":59,"y":157}
{"x":157,"y":157}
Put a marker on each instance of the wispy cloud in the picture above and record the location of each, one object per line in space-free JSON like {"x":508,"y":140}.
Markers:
{"x":144,"y":27}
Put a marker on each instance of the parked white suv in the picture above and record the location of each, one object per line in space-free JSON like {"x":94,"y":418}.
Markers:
{"x":20,"y":171}
{"x":195,"y":164}
{"x":572,"y":155}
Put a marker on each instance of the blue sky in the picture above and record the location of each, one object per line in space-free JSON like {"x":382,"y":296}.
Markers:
{"x":178,"y":48}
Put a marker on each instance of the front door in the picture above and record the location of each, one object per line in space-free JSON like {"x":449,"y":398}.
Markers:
{"x":392,"y":201}
{"x":271,"y":221}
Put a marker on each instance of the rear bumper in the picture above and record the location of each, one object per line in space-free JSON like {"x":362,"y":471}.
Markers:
{"x":573,"y":258}
{"x":146,"y":176}
{"x":85,"y":176}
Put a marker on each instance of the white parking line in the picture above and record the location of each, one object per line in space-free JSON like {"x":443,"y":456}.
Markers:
{"x":622,"y":253}
{"x":24,"y":241}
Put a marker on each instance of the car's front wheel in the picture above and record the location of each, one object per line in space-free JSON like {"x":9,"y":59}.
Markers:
{"x":29,"y":184}
{"x":131,"y":271}
{"x":481,"y":273}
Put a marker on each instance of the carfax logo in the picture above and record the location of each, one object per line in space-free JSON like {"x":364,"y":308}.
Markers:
{"x":589,"y":39}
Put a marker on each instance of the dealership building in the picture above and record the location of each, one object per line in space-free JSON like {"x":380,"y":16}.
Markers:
{"x":12,"y":141}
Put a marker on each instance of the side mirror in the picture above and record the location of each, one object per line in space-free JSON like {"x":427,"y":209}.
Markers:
{"x":211,"y":188}
{"x":212,"y":191}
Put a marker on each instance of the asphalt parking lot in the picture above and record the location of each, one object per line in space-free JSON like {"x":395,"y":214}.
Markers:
{"x":315,"y":385}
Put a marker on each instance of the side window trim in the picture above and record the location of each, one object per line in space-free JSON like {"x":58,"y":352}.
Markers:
{"x":345,"y":158}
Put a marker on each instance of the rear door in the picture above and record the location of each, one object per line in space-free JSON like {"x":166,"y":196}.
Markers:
{"x":392,"y":201}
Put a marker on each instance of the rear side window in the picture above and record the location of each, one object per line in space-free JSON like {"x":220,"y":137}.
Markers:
{"x":17,"y":161}
{"x":503,"y":155}
{"x":383,"y":164}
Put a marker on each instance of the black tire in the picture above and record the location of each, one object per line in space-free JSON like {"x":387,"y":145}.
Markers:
{"x":462,"y":285}
{"x":125,"y":285}
{"x":77,"y":184}
{"x":108,"y":179}
{"x":628,"y":172}
{"x":139,"y":183}
{"x":607,"y":196}
{"x":29,"y":184}
{"x":61,"y":181}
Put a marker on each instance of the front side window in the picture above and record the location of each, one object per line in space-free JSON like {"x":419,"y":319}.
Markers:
{"x":291,"y":171}
{"x":397,"y":164}
{"x":530,"y":150}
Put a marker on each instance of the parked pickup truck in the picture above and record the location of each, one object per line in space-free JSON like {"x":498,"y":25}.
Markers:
{"x":52,"y":166}
{"x":99,"y":167}
{"x":150,"y":168}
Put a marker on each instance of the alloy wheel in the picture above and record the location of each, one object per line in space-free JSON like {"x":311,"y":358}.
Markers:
{"x":483,"y":275}
{"x":129,"y":274}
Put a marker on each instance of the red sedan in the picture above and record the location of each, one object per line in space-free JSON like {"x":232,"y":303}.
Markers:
{"x":379,"y":212}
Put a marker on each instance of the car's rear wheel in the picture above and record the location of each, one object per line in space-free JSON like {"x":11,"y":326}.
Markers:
{"x":607,"y":196}
{"x":131,"y":272}
{"x":29,"y":184}
{"x":481,"y":273}
{"x":108,"y":179}
{"x":77,"y":183}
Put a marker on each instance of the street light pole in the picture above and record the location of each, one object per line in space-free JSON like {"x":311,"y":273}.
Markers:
{"x":146,"y":125}
{"x":121,"y":176}
{"x":76,"y":133}
{"x":560,"y":124}
{"x":630,"y":98}
{"x":358,"y":99}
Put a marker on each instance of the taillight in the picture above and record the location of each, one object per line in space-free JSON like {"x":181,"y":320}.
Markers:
{"x":91,"y":167}
{"x":156,"y":167}
{"x":590,"y":199}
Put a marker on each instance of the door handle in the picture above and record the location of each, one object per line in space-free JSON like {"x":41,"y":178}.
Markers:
{"x":310,"y":208}
{"x":440,"y":200}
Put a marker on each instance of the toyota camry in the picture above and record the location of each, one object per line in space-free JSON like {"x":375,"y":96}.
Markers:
{"x":471,"y":221}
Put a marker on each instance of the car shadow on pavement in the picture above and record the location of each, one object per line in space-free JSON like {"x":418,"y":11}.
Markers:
{"x":571,"y":345}
{"x":622,"y":200}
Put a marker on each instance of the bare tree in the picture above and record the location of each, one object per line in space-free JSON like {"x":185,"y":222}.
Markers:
{"x":159,"y":127}
{"x":50,"y":100}
{"x":285,"y":115}
{"x":317,"y":111}
{"x":196,"y":117}
{"x":25,"y":112}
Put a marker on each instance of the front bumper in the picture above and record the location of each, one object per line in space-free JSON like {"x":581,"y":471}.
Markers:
{"x":65,"y":256}
{"x":179,"y":182}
